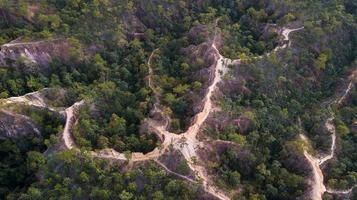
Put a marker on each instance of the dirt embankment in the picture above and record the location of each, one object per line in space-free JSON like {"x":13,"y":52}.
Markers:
{"x":14,"y":125}
{"x":34,"y":53}
{"x":175,"y":162}
{"x":50,"y":98}
{"x":204,"y":55}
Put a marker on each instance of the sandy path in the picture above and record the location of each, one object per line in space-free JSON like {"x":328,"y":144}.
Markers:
{"x":192,"y":143}
{"x":317,"y":183}
{"x":174,"y":173}
{"x":350,"y":85}
{"x":70,"y":120}
{"x":157,"y":94}
{"x":151,"y":73}
{"x":331,"y":128}
{"x":285,"y":32}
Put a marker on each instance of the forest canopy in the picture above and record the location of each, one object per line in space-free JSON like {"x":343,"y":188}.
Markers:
{"x":138,"y":64}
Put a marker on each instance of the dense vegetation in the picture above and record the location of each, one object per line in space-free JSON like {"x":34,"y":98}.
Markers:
{"x":22,"y":157}
{"x":79,"y":176}
{"x":116,"y":74}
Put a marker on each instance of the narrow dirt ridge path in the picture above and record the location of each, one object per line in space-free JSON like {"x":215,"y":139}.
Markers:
{"x":156,"y":108}
{"x":317,"y":184}
{"x":150,"y":79}
{"x":70,"y":120}
{"x":285,"y":32}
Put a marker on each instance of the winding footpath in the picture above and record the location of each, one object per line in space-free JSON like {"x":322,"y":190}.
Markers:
{"x":287,"y":42}
{"x":192,"y":143}
{"x":187,"y":142}
{"x":318,"y":187}
{"x":285,"y":32}
{"x":70,"y":120}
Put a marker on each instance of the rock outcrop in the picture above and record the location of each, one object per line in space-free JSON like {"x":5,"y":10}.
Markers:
{"x":34,"y":53}
{"x":14,"y":125}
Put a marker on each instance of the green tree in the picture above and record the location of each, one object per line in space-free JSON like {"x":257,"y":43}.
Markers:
{"x":35,"y":160}
{"x":126,"y":195}
{"x":117,"y":124}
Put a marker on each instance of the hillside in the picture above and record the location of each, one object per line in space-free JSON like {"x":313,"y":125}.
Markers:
{"x":163,"y":99}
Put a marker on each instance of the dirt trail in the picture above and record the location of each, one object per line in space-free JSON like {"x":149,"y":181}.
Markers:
{"x":151,"y":73}
{"x":285,"y":32}
{"x":317,"y":183}
{"x":331,"y":128}
{"x":190,"y":136}
{"x":157,"y":95}
{"x":70,"y":120}
{"x":350,"y":85}
{"x":187,"y":142}
{"x":174,"y":173}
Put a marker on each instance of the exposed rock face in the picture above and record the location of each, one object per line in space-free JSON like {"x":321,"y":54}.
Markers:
{"x":34,"y":53}
{"x":14,"y":125}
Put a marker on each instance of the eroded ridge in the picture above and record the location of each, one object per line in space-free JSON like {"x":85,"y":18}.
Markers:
{"x":317,"y":182}
{"x":187,"y":142}
{"x":70,"y":120}
{"x":31,"y":99}
{"x":36,"y":52}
